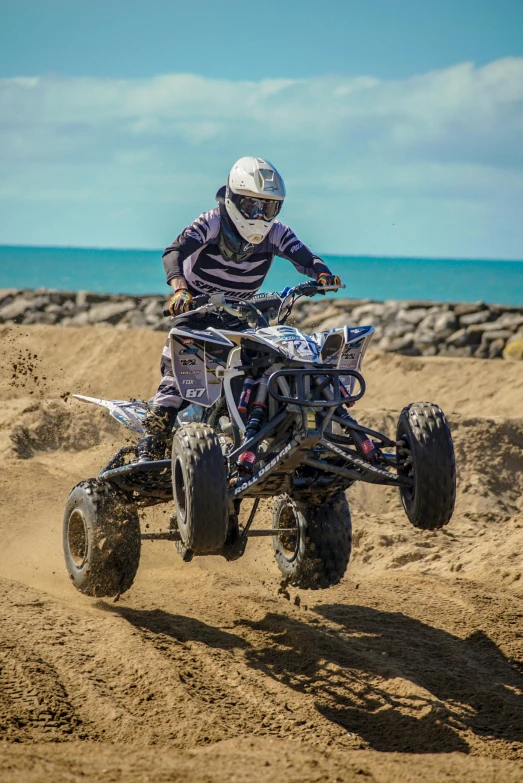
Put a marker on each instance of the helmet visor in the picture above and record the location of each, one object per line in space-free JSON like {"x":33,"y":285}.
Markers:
{"x":256,"y":208}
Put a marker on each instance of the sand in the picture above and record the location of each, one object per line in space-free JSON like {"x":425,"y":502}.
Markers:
{"x":410,"y":670}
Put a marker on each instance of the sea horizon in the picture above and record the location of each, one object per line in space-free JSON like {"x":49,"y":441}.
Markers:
{"x":160,"y":250}
{"x":139,"y":271}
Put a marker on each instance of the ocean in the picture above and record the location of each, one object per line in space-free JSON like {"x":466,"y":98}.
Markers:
{"x":366,"y":277}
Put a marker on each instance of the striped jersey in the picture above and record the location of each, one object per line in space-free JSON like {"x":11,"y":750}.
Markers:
{"x":196,"y":256}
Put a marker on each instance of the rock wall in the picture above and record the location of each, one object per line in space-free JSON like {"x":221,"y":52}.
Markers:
{"x":407,"y":327}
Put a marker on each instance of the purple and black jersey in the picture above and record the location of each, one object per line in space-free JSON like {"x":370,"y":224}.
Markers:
{"x":195,"y":255}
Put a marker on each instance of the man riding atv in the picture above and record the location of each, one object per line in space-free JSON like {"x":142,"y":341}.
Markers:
{"x":270,"y":417}
{"x":227,"y":250}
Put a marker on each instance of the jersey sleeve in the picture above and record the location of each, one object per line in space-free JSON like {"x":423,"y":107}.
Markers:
{"x":204,"y":229}
{"x":287,"y":245}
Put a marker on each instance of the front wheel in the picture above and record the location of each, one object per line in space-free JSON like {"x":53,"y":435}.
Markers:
{"x":316,"y":552}
{"x":428,"y":458}
{"x":199,"y":489}
{"x":101,"y":537}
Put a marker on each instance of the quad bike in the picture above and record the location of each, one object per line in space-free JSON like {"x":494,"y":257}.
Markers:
{"x":266,"y":415}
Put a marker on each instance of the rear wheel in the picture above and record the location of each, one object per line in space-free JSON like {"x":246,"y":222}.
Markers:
{"x":428,"y":458}
{"x":316,"y":552}
{"x":101,"y":538}
{"x":199,"y":489}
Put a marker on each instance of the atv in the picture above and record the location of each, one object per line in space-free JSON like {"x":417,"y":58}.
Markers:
{"x":266,"y":414}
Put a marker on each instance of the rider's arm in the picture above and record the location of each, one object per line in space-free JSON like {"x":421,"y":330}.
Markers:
{"x":287,"y":245}
{"x":192,"y":239}
{"x":178,"y":283}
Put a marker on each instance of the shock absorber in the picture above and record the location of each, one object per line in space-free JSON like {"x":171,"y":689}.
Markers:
{"x":363,"y":443}
{"x":245,"y":397}
{"x":247,"y":459}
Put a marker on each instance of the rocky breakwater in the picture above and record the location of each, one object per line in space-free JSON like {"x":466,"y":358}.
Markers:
{"x":426,"y":328}
{"x":412,"y":328}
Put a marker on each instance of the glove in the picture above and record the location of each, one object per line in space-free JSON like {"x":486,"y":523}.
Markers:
{"x":181,"y":302}
{"x":325,"y":278}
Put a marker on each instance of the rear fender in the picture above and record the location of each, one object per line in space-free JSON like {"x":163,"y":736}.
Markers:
{"x":130,"y":414}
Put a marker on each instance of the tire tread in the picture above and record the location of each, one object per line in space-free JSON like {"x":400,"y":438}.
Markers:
{"x":434,"y":464}
{"x":116,"y":540}
{"x":327,"y":543}
{"x":206,"y":486}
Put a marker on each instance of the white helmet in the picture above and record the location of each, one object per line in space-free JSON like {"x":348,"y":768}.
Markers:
{"x":254,"y":197}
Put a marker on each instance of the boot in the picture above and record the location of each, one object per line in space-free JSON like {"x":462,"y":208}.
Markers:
{"x":158,"y":425}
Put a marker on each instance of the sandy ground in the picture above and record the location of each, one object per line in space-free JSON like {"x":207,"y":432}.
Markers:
{"x":410,"y":670}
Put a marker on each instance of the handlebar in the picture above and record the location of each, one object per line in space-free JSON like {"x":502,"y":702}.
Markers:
{"x":214,"y":303}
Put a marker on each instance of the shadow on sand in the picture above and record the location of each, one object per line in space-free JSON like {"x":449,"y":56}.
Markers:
{"x":399,"y":684}
{"x":177,"y":626}
{"x":396,"y":682}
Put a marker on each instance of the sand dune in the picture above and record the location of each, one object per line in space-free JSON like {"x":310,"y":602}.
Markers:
{"x":411,"y":669}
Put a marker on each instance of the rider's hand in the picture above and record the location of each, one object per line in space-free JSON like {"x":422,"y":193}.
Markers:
{"x":180,"y":302}
{"x":325,"y":278}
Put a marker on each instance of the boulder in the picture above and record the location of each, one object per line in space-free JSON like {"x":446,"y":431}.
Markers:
{"x":513,"y":350}
{"x":7,"y":295}
{"x":466,"y":308}
{"x":413,"y":304}
{"x":481,"y":351}
{"x":87,"y":297}
{"x":431,"y":318}
{"x":134,"y":319}
{"x":311,"y":320}
{"x":152,"y":320}
{"x":153,"y":306}
{"x":398,"y":344}
{"x":445,"y":322}
{"x":335,"y":322}
{"x":475,"y":318}
{"x":40,"y":317}
{"x":496,"y":334}
{"x":480,"y":329}
{"x":390,"y":313}
{"x":496,"y":348}
{"x":111,"y":312}
{"x":60,"y":297}
{"x":53,"y":308}
{"x":462,"y":338}
{"x":163,"y":326}
{"x":370,"y":312}
{"x":510,"y":321}
{"x":412,"y":317}
{"x":15,"y":309}
{"x":397,"y":329}
{"x":71,"y":308}
{"x":424,"y":338}
{"x":79,"y":319}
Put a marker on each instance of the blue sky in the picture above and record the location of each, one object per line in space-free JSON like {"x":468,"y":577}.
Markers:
{"x":397,"y":125}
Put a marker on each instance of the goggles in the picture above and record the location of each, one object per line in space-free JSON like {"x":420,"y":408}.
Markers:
{"x":256,"y":208}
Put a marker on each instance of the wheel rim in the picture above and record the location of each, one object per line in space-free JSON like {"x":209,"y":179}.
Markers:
{"x":407,"y":492}
{"x":289,"y":542}
{"x":77,"y":538}
{"x":180,"y":497}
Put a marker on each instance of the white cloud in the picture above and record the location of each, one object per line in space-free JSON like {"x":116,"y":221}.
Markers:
{"x":101,"y":161}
